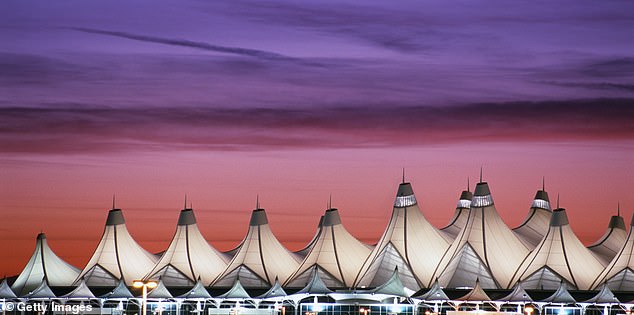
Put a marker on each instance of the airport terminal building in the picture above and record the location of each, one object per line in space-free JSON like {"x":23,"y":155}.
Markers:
{"x":475,"y":264}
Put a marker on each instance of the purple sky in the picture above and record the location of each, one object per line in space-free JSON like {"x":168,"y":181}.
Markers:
{"x":154,"y":99}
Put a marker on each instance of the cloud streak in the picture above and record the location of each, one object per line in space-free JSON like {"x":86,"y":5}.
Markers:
{"x":260,"y":54}
{"x":81,"y":129}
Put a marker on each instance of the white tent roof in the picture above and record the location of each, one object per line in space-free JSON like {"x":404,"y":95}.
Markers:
{"x":80,"y":292}
{"x":44,"y":264}
{"x":393,"y":286}
{"x":314,"y":286}
{"x":260,"y":258}
{"x":188,"y":256}
{"x":410,"y":244}
{"x":561,"y":295}
{"x":485,"y":249}
{"x":559,"y":256}
{"x":535,"y":225}
{"x":43,"y":291}
{"x":5,"y":290}
{"x":476,"y":294}
{"x":517,"y":295}
{"x":119,"y":292}
{"x":612,"y":240}
{"x":275,"y":292}
{"x":118,"y":256}
{"x":604,"y":296}
{"x":337,"y":256}
{"x":197,"y":292}
{"x":435,"y":293}
{"x":459,"y":219}
{"x":304,"y":251}
{"x":160,"y":292}
{"x":619,"y":274}
{"x":237,"y":292}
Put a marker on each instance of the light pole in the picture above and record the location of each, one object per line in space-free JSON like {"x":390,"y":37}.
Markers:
{"x":145,"y":285}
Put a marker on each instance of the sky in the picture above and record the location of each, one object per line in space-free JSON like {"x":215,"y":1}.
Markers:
{"x":294,"y":102}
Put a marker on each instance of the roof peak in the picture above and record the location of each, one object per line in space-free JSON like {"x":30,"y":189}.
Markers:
{"x":258,"y":217}
{"x":115,"y":217}
{"x":187,"y":217}
{"x":616,"y":222}
{"x":559,"y":217}
{"x":482,"y":189}
{"x":331,"y":217}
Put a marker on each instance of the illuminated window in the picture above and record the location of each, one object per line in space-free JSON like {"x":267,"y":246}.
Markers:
{"x":482,"y":201}
{"x":404,"y":201}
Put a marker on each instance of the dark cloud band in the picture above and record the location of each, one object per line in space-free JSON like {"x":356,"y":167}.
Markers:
{"x":81,"y":129}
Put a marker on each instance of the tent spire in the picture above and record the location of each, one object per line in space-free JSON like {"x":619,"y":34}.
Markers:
{"x":468,"y":184}
{"x":403,"y":176}
{"x":557,"y":200}
{"x":113,"y":199}
{"x":543,"y":183}
{"x":330,"y":202}
{"x":257,"y":201}
{"x":480,"y":174}
{"x":618,"y":208}
{"x":185,"y":207}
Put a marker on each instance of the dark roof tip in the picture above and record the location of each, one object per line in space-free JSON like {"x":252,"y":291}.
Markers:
{"x":331,"y":217}
{"x":559,"y":217}
{"x":542,"y":194}
{"x":466,"y":195}
{"x":482,"y":189}
{"x":41,"y":236}
{"x":616,"y":222}
{"x":405,"y":189}
{"x":187,"y":217}
{"x":115,"y":217}
{"x":258,"y":217}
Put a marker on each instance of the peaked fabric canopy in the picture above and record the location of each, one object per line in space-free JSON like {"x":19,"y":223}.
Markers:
{"x":118,"y":256}
{"x":80,"y":292}
{"x":119,"y":292}
{"x":612,"y":240}
{"x":435,"y":293}
{"x":160,"y":292}
{"x":517,"y":295}
{"x":44,"y":264}
{"x":410,"y":244}
{"x":459,"y":219}
{"x":619,"y":274}
{"x":485,"y":248}
{"x":260,"y":258}
{"x":560,"y":256}
{"x":336,"y":255}
{"x":43,"y":291}
{"x":5,"y":290}
{"x":188,"y":256}
{"x":315,"y":286}
{"x":197,"y":292}
{"x":535,"y":225}
{"x":393,"y":286}
{"x":476,"y":294}
{"x":237,"y":291}
{"x":561,"y":295}
{"x":604,"y":296}
{"x":275,"y":292}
